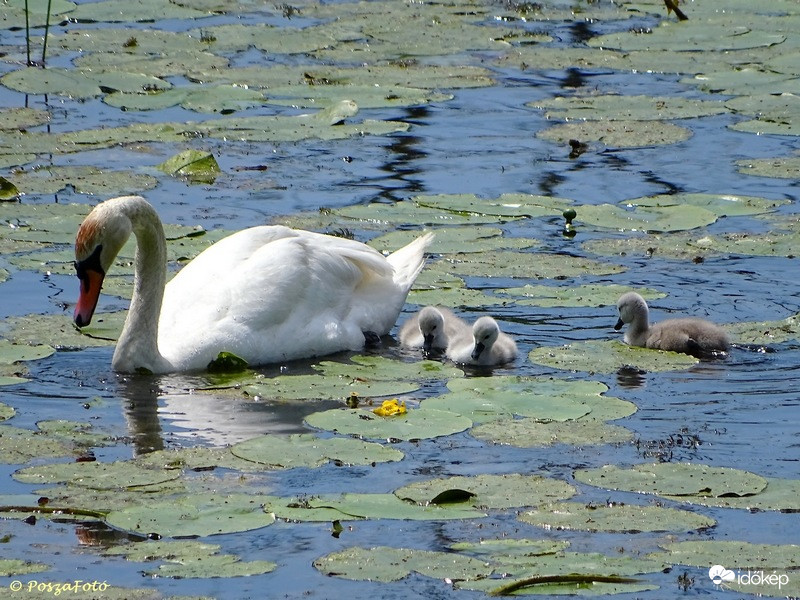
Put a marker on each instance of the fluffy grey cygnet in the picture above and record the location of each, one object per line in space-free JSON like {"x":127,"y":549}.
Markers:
{"x":486,"y":346}
{"x":688,"y":335}
{"x":431,"y":329}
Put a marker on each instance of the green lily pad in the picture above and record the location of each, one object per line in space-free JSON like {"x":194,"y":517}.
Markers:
{"x":545,"y":399}
{"x":622,"y":107}
{"x":456,"y":239}
{"x":16,"y":13}
{"x":385,"y":564}
{"x":732,"y":554}
{"x":74,"y":432}
{"x":18,"y":446}
{"x":743,"y":81}
{"x":385,"y":369}
{"x":455,"y":297}
{"x":416,"y":424}
{"x":366,"y":96}
{"x":651,"y":218}
{"x":608,"y":357}
{"x":6,"y":412}
{"x":782,"y":167}
{"x":766,"y":332}
{"x":614,"y":518}
{"x":11,"y":353}
{"x":590,"y":295}
{"x":84,"y":180}
{"x":532,"y":433}
{"x":389,"y":506}
{"x":525,"y":264}
{"x":688,"y":36}
{"x":676,"y":479}
{"x":224,"y":99}
{"x":618,"y":134}
{"x":95,"y":475}
{"x":492,"y":491}
{"x":76,"y":84}
{"x":195,"y":165}
{"x":22,"y":118}
{"x":509,"y":549}
{"x":194,"y":515}
{"x":307,"y":450}
{"x":60,"y":332}
{"x":10,"y":567}
{"x":194,"y":458}
{"x":411,"y":213}
{"x":506,"y":205}
{"x":162,"y":550}
{"x":723,"y":205}
{"x":132,"y":11}
{"x":205,"y":567}
{"x":780,"y":494}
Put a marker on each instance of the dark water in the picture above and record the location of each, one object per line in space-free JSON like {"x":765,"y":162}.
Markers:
{"x":738,"y":412}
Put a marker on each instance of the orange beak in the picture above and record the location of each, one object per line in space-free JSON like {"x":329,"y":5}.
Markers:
{"x":91,"y":284}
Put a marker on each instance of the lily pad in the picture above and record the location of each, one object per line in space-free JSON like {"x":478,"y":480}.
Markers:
{"x":22,"y":118}
{"x":456,"y":239}
{"x":384,"y":369}
{"x":608,"y":357}
{"x":622,"y":107}
{"x":60,"y":332}
{"x":196,"y":458}
{"x":455,"y":297}
{"x":589,"y":295}
{"x":653,"y":218}
{"x":195,"y":165}
{"x":6,"y":412}
{"x":732,"y":554}
{"x":676,"y":479}
{"x":491,"y":491}
{"x":366,"y":96}
{"x":385,"y":564}
{"x":780,"y":494}
{"x":307,"y":450}
{"x":509,"y":549}
{"x":618,"y":134}
{"x":18,"y":446}
{"x":415,"y":424}
{"x":10,"y":567}
{"x":195,"y":515}
{"x":95,"y":475}
{"x":389,"y":506}
{"x":11,"y":353}
{"x":787,"y":167}
{"x":766,"y":332}
{"x":532,"y":433}
{"x":525,"y":264}
{"x":84,"y":180}
{"x":723,"y":205}
{"x":506,"y":205}
{"x":614,"y":518}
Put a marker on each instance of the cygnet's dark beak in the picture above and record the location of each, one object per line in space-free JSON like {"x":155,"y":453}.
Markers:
{"x":427,"y":343}
{"x":619,"y":324}
{"x":477,"y":350}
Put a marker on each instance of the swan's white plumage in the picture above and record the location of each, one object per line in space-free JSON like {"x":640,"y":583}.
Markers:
{"x":267,"y":294}
{"x":689,"y":335}
{"x":485,"y":345}
{"x":436,"y":323}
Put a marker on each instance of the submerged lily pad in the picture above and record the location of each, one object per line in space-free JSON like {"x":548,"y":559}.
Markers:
{"x":385,"y":564}
{"x":491,"y":491}
{"x":676,"y":479}
{"x":307,"y":450}
{"x":415,"y":424}
{"x":607,"y":357}
{"x":194,"y":515}
{"x":532,"y":433}
{"x":614,"y":518}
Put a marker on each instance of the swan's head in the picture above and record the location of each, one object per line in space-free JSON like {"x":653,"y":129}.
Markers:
{"x":631,"y":307}
{"x":485,"y":331}
{"x":100,"y":237}
{"x":431,"y":325}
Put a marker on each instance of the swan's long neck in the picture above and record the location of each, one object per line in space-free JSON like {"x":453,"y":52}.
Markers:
{"x":137,"y":347}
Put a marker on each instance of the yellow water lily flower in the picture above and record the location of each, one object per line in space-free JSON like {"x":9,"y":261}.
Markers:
{"x":391,"y":408}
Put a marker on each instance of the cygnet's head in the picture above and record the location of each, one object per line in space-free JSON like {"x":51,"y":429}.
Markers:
{"x":631,"y":307}
{"x":431,"y":325}
{"x":485,"y":330}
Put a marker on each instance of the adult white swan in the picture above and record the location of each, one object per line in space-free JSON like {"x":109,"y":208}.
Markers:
{"x":267,"y":294}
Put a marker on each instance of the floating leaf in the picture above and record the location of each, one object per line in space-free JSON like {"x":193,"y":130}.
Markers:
{"x":195,"y":165}
{"x":18,"y":446}
{"x":6,"y":412}
{"x":8,"y":191}
{"x":224,"y":99}
{"x":14,"y":567}
{"x":416,"y":424}
{"x":590,"y":295}
{"x":732,"y":554}
{"x":195,"y":515}
{"x":307,"y":450}
{"x":618,"y":134}
{"x":456,"y":239}
{"x":386,"y":564}
{"x":84,"y":180}
{"x":492,"y":491}
{"x":654,"y":218}
{"x":623,"y":107}
{"x":95,"y":475}
{"x":723,"y":205}
{"x":532,"y":433}
{"x":676,"y":479}
{"x":385,"y":369}
{"x":11,"y":353}
{"x":508,"y":549}
{"x":614,"y":518}
{"x":525,"y":264}
{"x":780,"y":494}
{"x":783,"y":167}
{"x":218,"y":565}
{"x":766,"y":332}
{"x":607,"y":357}
{"x":389,"y":506}
{"x":506,"y":205}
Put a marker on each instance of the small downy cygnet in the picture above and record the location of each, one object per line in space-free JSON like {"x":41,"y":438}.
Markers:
{"x":431,"y":328}
{"x":688,"y":335}
{"x":486,"y":346}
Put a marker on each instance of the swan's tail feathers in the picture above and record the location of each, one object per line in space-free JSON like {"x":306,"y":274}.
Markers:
{"x":409,"y":260}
